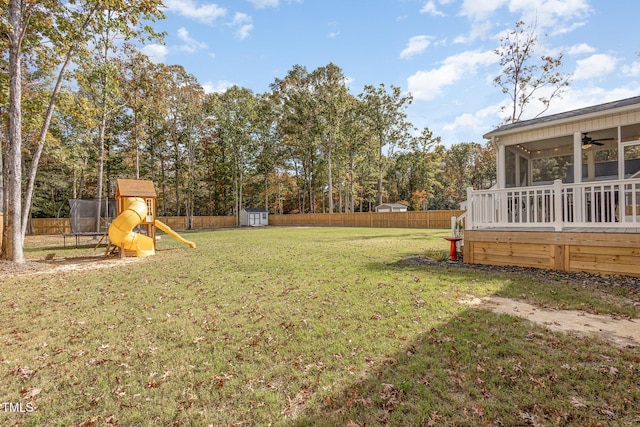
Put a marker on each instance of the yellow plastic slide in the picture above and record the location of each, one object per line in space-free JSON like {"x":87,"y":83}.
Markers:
{"x":121,"y":229}
{"x":164,"y":227}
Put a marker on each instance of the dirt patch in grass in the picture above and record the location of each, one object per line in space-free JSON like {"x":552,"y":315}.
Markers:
{"x":61,"y":264}
{"x":621,"y":331}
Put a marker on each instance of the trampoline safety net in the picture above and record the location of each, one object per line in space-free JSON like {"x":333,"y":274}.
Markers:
{"x":83,"y":215}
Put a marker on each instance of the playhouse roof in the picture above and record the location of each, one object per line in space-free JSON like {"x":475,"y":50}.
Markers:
{"x":135,"y":188}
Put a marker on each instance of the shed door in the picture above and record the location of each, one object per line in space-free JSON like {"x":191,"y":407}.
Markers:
{"x":254,"y":218}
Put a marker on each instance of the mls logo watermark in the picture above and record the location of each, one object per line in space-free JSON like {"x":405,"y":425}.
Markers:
{"x":17,"y":407}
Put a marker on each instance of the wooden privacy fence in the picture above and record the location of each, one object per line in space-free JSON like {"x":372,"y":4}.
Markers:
{"x":420,"y":219}
{"x":62,"y":226}
{"x":427,"y":219}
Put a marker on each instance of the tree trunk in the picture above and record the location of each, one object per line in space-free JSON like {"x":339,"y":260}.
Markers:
{"x":340,"y":202}
{"x":266,"y":190}
{"x":35,"y":161}
{"x":330,"y":179}
{"x":101,"y":133}
{"x":164,"y":188}
{"x":2,"y":192}
{"x":177,"y":174}
{"x":380,"y":168}
{"x":351,"y":198}
{"x":12,"y":239}
{"x":236,"y":212}
{"x":135,"y":141}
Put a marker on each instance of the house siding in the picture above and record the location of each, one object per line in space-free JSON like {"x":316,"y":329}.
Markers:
{"x":564,"y":129}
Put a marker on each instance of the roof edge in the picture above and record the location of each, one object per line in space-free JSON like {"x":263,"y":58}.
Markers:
{"x":567,"y":117}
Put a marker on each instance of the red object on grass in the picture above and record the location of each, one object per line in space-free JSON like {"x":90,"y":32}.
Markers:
{"x":453,"y":252}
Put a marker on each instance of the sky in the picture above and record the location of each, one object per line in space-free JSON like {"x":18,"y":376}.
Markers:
{"x":442,"y":52}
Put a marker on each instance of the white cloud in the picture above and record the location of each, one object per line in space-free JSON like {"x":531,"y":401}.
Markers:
{"x":467,"y":121}
{"x":592,"y":95}
{"x":218,"y":87}
{"x":335,"y":31}
{"x":431,"y":8}
{"x":156,"y":52}
{"x":427,"y":85}
{"x":580,"y":49}
{"x":480,"y":10}
{"x":476,"y":123}
{"x":244,"y":30}
{"x":261,"y":4}
{"x":632,"y":70}
{"x":349,"y":81}
{"x":191,"y":45}
{"x":479,"y":30}
{"x":206,"y":13}
{"x":415,"y":46}
{"x":550,"y":16}
{"x":242,"y":23}
{"x":594,"y":66}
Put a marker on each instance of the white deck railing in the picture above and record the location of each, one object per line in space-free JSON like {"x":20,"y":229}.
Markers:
{"x":602,"y":204}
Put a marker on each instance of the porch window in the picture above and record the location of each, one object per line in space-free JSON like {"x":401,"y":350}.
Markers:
{"x":516,"y":167}
{"x":598,"y":165}
{"x":632,"y":161}
{"x":548,"y":169}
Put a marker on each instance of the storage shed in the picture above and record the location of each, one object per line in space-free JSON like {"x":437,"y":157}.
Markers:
{"x":254,"y":217}
{"x":391,"y":207}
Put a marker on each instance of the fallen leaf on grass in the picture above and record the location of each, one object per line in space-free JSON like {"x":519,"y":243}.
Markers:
{"x":536,"y":381}
{"x":607,"y":412}
{"x":25,"y":373}
{"x":391,"y":396}
{"x":30,"y":393}
{"x":530,"y":419}
{"x":433,"y":419}
{"x":295,"y":404}
{"x":577,"y":403}
{"x":89,"y":422}
{"x":425,"y":380}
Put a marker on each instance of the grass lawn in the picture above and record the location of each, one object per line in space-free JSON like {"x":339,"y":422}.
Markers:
{"x":302,"y":326}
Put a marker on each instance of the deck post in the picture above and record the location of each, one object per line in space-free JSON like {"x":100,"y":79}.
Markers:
{"x":469,"y":220}
{"x":557,"y":205}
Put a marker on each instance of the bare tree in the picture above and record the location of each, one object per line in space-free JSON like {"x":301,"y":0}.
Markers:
{"x":522,"y":78}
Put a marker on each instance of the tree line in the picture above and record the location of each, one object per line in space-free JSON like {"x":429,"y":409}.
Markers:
{"x":82,"y":106}
{"x":306,"y":145}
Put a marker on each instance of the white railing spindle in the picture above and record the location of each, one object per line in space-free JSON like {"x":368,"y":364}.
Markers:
{"x":557,"y":206}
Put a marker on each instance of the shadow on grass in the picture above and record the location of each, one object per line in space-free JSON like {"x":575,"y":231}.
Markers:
{"x":68,"y":248}
{"x":481,"y":368}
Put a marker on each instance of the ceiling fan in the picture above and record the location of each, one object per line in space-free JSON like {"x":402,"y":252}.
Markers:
{"x":588,"y":142}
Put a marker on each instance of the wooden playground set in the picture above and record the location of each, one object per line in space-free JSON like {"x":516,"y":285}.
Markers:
{"x":136,"y":209}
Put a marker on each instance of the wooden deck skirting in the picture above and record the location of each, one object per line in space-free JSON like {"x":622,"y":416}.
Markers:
{"x":601,"y":252}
